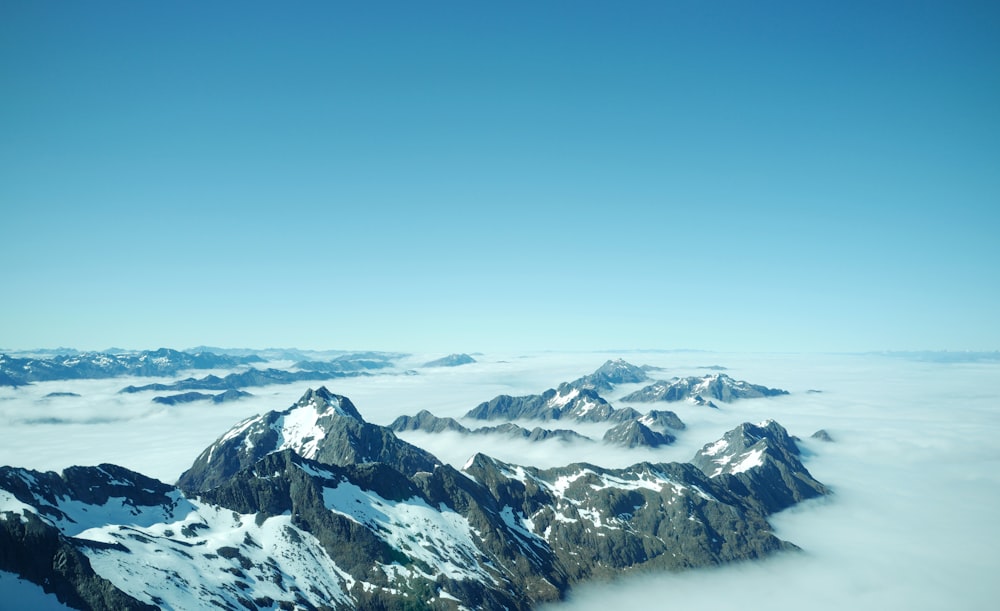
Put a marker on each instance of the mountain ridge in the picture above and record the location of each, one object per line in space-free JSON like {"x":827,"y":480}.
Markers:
{"x":312,"y":507}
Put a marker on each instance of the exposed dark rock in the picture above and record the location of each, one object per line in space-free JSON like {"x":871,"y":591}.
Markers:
{"x":608,"y":375}
{"x":188,"y":397}
{"x":568,"y":403}
{"x":635,"y":434}
{"x":234,"y":381}
{"x":348,"y":363}
{"x":760,"y":463}
{"x":821,"y":435}
{"x":662,"y":419}
{"x":428,"y":422}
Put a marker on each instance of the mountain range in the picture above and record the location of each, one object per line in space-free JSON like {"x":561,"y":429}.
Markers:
{"x":94,"y":365}
{"x":19,"y":371}
{"x":190,"y":397}
{"x":701,"y":389}
{"x":428,"y":422}
{"x":312,"y":507}
{"x":243,"y":379}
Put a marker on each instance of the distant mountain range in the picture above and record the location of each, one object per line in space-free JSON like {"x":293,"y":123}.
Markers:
{"x":579,"y":401}
{"x":244,"y":379}
{"x":96,"y":365}
{"x":15,"y":371}
{"x":311,"y":507}
{"x":190,"y":397}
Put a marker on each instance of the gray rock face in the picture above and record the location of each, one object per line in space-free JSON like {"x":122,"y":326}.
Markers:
{"x":347,"y":363}
{"x":608,"y":375}
{"x":761,"y":463}
{"x":718,"y":386}
{"x":233,"y":381}
{"x":189,"y":397}
{"x":320,"y":426}
{"x":636,"y":434}
{"x":662,"y":419}
{"x":822,"y":435}
{"x":452,"y":360}
{"x":568,"y":403}
{"x":599,"y":522}
{"x":429,"y":423}
{"x":536,"y":434}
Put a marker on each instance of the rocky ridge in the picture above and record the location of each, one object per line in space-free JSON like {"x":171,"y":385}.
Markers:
{"x":701,"y":390}
{"x":427,"y":422}
{"x":312,"y":507}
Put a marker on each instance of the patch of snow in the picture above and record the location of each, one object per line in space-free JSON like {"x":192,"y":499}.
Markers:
{"x":748,"y":461}
{"x":444,"y":595}
{"x":177,"y":565}
{"x":562,"y":400}
{"x":716,"y":447}
{"x":441,"y":539}
{"x":82,"y":517}
{"x":299,"y":430}
{"x":9,"y":503}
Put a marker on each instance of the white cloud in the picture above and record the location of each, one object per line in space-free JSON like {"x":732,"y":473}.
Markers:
{"x":915,"y":465}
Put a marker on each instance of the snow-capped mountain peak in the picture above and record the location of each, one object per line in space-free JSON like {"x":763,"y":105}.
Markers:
{"x":325,"y":403}
{"x":320,"y":426}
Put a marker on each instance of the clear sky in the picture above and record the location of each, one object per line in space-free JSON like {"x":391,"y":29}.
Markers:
{"x":462,"y":176}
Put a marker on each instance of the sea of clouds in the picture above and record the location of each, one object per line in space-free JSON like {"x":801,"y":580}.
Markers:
{"x":915,"y":462}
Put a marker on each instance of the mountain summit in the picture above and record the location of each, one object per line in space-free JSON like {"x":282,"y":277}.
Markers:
{"x":320,"y":426}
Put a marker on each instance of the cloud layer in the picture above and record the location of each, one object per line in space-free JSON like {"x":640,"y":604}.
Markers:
{"x":914,"y":463}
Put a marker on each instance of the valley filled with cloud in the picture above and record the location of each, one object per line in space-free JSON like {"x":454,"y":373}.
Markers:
{"x":913,"y":462}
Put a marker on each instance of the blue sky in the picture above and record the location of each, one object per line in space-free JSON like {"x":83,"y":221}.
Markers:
{"x":457,"y":176}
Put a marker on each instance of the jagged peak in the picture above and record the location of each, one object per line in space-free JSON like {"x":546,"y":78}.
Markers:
{"x":327,"y":403}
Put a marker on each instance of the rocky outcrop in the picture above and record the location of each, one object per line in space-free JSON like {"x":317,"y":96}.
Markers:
{"x":429,"y":423}
{"x":609,"y":375}
{"x":567,"y":403}
{"x":189,"y":397}
{"x":760,"y":463}
{"x":636,"y":434}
